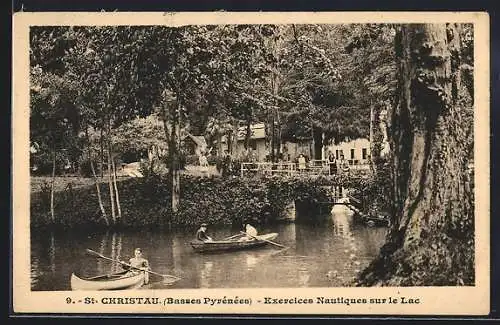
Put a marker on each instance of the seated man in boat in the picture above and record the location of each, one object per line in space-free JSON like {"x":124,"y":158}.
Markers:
{"x":201,"y":233}
{"x":251,"y":232}
{"x":137,"y":263}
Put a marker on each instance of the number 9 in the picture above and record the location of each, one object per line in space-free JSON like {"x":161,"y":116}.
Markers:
{"x":68,"y":300}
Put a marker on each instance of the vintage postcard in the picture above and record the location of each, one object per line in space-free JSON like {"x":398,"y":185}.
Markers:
{"x":251,"y":163}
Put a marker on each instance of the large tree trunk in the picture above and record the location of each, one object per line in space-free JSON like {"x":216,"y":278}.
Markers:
{"x":101,"y":142}
{"x":273,"y":137}
{"x":110,"y":177}
{"x":176,"y":189}
{"x":372,"y":139}
{"x":115,"y":185}
{"x":52,"y":184}
{"x":174,"y":159}
{"x":276,"y":45}
{"x":98,"y":189}
{"x":169,"y":147}
{"x":96,"y":180}
{"x":432,"y":237}
{"x":219,"y":145}
{"x":278,"y":133}
{"x":248,"y":133}
{"x":234,"y":137}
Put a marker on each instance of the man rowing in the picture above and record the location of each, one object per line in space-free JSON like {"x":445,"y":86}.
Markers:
{"x":250,"y":231}
{"x":201,"y":234}
{"x":137,"y":264}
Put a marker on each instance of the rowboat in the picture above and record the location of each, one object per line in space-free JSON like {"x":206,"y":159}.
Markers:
{"x":378,"y":220}
{"x":231,"y":245}
{"x":116,"y":281}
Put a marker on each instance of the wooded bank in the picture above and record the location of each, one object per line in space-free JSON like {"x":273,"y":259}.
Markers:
{"x":145,"y":201}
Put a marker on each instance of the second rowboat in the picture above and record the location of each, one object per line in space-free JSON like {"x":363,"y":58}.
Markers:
{"x":231,"y":245}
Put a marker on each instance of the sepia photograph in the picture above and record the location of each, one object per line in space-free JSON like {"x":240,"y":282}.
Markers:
{"x":275,"y":155}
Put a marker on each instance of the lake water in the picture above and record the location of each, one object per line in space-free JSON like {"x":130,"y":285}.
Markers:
{"x":323,"y":255}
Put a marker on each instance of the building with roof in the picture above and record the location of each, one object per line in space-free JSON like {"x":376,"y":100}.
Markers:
{"x":257,"y":147}
{"x":356,"y":151}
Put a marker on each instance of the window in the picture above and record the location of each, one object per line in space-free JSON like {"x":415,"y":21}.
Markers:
{"x":352,"y":153}
{"x":364,"y":151}
{"x":336,"y":154}
{"x":253,"y":144}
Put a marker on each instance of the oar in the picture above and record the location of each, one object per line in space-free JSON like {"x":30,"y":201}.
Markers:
{"x":279,"y":252}
{"x":260,"y":238}
{"x":133,"y":267}
{"x":231,"y":237}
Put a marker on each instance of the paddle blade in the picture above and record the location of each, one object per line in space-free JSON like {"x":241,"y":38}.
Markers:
{"x":168,"y":280}
{"x":96,"y":254}
{"x":91,"y":252}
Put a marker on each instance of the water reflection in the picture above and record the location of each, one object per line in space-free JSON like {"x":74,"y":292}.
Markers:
{"x":116,"y":247}
{"x":303,"y":276}
{"x":341,"y":221}
{"x":101,"y":263}
{"x":206,"y":275}
{"x":251,"y":261}
{"x":316,"y":255}
{"x":52,"y":252}
{"x":370,"y":239}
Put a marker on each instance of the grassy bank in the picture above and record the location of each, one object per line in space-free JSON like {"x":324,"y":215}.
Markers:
{"x":42,"y":183}
{"x":145,"y":202}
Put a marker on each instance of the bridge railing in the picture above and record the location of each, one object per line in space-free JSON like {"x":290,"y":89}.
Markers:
{"x":313,"y":167}
{"x":267,"y":168}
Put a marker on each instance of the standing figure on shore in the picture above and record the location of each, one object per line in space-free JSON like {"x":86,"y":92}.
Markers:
{"x":302,"y":163}
{"x":344,"y":165}
{"x":333,"y":164}
{"x":203,"y":164}
{"x":226,"y":164}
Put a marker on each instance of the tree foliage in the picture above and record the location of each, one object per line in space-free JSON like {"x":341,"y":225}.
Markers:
{"x":222,"y":74}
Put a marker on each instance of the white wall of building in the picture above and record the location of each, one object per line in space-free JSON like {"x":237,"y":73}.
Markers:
{"x":258,"y":146}
{"x":356,"y":151}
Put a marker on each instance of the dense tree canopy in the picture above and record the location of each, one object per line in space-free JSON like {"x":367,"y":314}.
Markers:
{"x":301,"y":78}
{"x":295,"y":74}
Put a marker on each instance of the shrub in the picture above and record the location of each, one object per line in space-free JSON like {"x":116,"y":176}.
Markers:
{"x":84,"y":168}
{"x":192,"y":160}
{"x":41,"y":163}
{"x":146,"y":201}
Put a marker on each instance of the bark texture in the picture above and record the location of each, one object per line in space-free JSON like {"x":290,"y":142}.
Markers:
{"x":174,"y":158}
{"x":115,"y":187}
{"x":110,"y":183}
{"x":96,"y":180}
{"x":432,"y":238}
{"x":53,"y":178}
